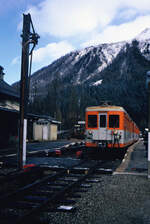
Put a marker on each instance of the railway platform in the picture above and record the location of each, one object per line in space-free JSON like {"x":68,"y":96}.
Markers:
{"x":135,"y":160}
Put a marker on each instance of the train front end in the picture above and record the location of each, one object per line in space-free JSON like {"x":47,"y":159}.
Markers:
{"x":104,"y":127}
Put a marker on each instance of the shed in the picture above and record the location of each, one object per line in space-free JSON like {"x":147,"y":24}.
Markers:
{"x":42,"y":128}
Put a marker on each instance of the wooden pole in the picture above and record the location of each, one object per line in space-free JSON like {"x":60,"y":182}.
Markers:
{"x":24,"y":88}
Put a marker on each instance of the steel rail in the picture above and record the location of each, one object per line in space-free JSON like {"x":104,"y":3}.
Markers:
{"x":56,"y":197}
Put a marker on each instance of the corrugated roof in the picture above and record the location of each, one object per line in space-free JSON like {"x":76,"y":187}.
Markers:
{"x":46,"y":117}
{"x":9,"y":110}
{"x":7,"y":89}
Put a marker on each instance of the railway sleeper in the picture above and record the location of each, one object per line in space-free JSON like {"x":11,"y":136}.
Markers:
{"x":92,"y":180}
{"x":74,"y":195}
{"x":57,"y":184}
{"x":85,"y":185}
{"x":103,"y":171}
{"x":54,"y":188}
{"x":67,"y":201}
{"x":42,"y":193}
{"x":79,"y":190}
{"x":68,"y":179}
{"x":35,"y":198}
{"x":63,"y":208}
{"x":23,"y":205}
{"x":79,"y":170}
{"x":47,"y":189}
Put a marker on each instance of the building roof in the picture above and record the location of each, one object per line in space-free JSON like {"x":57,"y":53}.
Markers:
{"x":33,"y":116}
{"x":7,"y":89}
{"x":43,"y":117}
{"x":9,"y":110}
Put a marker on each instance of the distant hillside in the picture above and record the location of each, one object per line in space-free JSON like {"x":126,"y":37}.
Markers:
{"x":114,"y":72}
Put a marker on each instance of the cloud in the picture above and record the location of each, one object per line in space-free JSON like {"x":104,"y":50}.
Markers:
{"x":45,"y":55}
{"x":16,"y":60}
{"x":51,"y":52}
{"x":65,"y":18}
{"x":125,"y":31}
{"x":86,"y":22}
{"x":127,"y":14}
{"x":142,"y":6}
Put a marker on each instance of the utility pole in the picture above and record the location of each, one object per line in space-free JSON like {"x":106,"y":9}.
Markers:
{"x":148,"y":89}
{"x":27,"y":39}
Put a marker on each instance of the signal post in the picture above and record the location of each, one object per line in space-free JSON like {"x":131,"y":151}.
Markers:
{"x":28,"y":37}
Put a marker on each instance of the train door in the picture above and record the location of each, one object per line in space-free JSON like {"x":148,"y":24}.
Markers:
{"x":102,"y":126}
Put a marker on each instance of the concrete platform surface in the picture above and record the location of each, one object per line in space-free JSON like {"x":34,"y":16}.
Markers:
{"x":135,"y":160}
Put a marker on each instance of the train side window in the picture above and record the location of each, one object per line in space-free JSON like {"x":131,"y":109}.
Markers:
{"x":114,"y":121}
{"x":92,"y":121}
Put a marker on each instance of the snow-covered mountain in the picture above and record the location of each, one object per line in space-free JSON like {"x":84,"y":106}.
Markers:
{"x":79,"y":67}
{"x":81,"y":78}
{"x":144,"y":43}
{"x":144,"y":35}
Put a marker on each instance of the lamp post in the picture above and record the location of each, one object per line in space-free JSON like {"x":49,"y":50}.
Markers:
{"x":148,"y":120}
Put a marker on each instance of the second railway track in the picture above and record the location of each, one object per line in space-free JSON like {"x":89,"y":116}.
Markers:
{"x":55,"y":190}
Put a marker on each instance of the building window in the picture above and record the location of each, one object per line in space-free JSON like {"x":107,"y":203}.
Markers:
{"x":114,"y":121}
{"x":92,"y":121}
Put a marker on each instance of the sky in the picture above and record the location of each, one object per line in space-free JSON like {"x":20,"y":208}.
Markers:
{"x":65,"y":26}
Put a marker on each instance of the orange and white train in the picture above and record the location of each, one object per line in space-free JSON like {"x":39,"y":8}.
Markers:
{"x":109,"y":127}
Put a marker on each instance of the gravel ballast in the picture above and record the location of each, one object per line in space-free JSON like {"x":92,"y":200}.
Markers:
{"x":116,"y":199}
{"x":121,"y":198}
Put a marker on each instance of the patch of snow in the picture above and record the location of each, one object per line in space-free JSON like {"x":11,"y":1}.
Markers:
{"x":144,"y":35}
{"x":90,"y":76}
{"x":99,"y":82}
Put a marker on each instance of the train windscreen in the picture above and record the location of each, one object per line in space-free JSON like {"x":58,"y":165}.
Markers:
{"x":114,"y":121}
{"x":92,"y":121}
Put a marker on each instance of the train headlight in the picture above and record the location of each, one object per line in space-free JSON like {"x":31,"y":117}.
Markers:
{"x":89,"y":134}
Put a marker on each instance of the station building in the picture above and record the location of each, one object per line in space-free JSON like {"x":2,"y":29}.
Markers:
{"x":39,"y":127}
{"x":9,"y":112}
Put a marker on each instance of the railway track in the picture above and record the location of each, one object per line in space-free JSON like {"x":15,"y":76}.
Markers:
{"x":54,"y":190}
{"x":8,"y":156}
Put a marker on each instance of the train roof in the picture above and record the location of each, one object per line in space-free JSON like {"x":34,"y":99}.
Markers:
{"x":105,"y":108}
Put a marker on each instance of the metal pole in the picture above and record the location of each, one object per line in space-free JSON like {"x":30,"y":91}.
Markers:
{"x":148,"y":88}
{"x":24,"y":141}
{"x":23,"y":87}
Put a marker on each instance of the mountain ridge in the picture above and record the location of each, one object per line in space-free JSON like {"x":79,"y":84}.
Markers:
{"x":114,"y":72}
